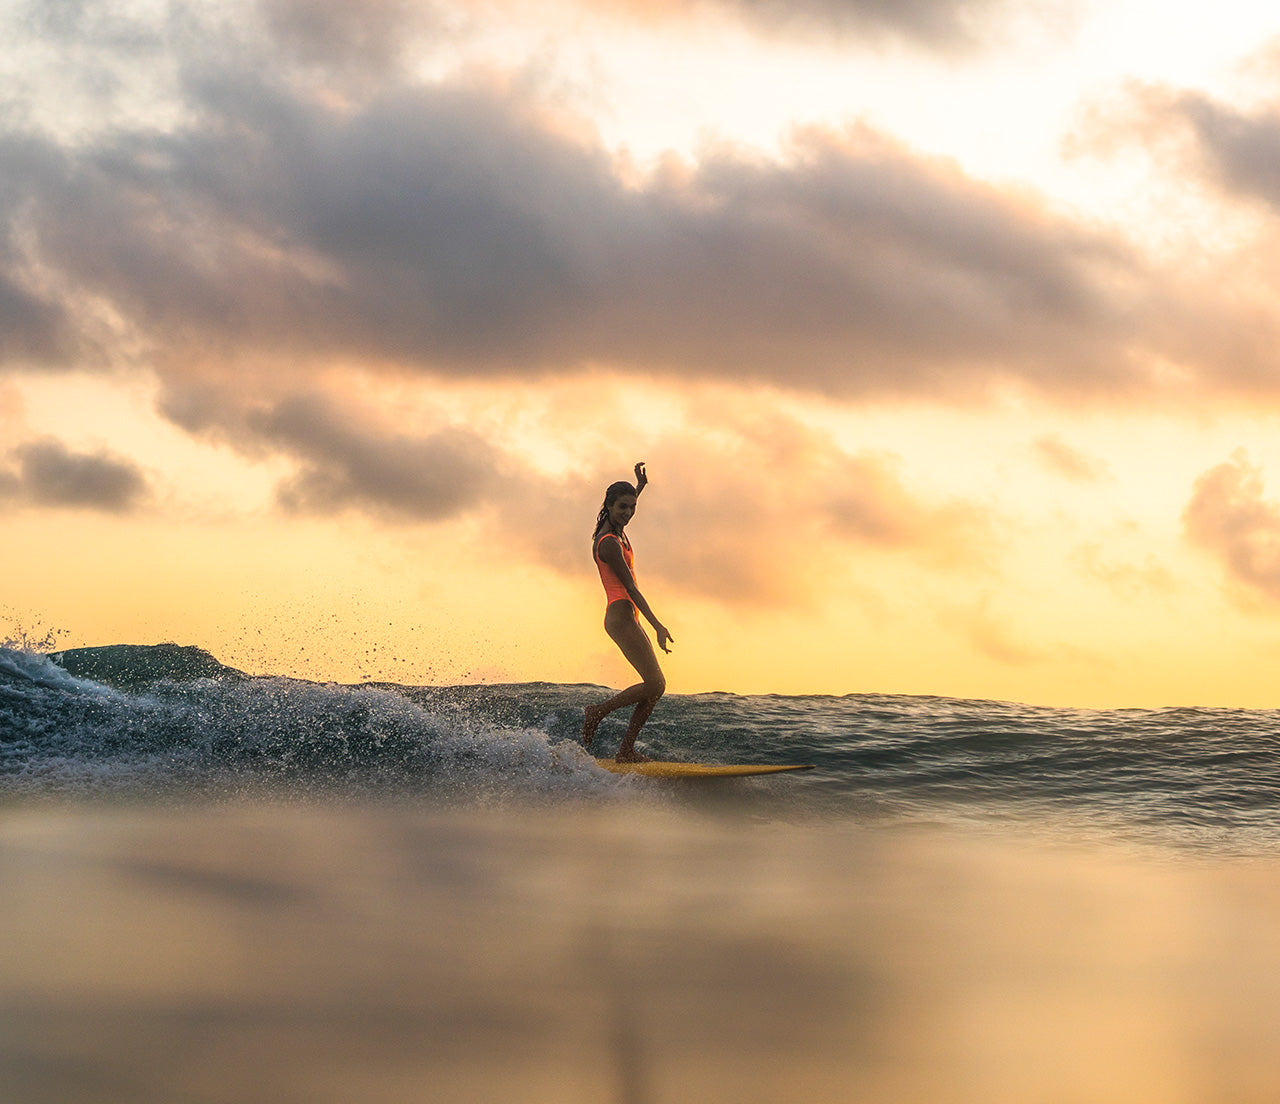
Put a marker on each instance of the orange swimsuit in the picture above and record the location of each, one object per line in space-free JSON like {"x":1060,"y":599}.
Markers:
{"x":614,"y":591}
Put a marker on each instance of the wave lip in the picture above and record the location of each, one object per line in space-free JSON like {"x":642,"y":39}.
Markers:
{"x":128,"y":666}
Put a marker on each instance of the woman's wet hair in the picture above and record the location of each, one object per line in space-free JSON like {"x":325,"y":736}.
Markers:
{"x":611,"y":495}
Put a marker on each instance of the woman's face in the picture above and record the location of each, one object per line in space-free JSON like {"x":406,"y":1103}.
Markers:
{"x":622,"y":510}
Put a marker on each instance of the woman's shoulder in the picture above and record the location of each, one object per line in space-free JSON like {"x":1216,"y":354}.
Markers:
{"x":622,"y":541}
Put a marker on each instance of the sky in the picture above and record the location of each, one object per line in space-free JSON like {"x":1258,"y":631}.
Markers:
{"x":947,"y":330}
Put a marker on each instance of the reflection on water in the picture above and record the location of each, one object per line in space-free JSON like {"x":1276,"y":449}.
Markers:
{"x":261,"y":952}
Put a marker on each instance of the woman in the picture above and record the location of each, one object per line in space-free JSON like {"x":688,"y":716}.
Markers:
{"x":612,"y":553}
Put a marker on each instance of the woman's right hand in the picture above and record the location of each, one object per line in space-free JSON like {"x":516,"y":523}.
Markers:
{"x":664,"y":637}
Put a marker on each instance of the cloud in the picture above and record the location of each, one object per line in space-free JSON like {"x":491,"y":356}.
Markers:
{"x":1233,"y":150}
{"x":1070,"y":463}
{"x":459,"y":230}
{"x":1127,"y":580}
{"x":762,"y":510}
{"x":272,"y":217}
{"x":766,"y":511}
{"x":865,"y":501}
{"x":375,"y":30}
{"x":990,"y":636}
{"x":35,"y":329}
{"x":256,"y":207}
{"x":931,"y":22}
{"x":347,"y":458}
{"x":1228,"y":517}
{"x":420,"y":478}
{"x":943,"y":25}
{"x":47,"y":473}
{"x":1239,"y":150}
{"x":1210,"y":324}
{"x":346,"y":35}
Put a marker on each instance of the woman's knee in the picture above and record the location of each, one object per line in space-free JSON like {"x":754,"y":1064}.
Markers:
{"x":655,"y":685}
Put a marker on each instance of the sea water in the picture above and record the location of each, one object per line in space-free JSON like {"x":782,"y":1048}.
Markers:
{"x":228,"y":888}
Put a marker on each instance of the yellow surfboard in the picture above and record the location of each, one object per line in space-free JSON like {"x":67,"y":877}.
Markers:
{"x":699,"y":770}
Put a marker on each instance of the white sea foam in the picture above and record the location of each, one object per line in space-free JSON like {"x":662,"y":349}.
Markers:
{"x":43,"y":670}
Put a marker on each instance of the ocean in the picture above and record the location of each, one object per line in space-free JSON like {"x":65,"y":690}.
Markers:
{"x":221,"y":887}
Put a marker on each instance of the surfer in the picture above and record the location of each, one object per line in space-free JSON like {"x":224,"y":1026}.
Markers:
{"x":612,"y":552}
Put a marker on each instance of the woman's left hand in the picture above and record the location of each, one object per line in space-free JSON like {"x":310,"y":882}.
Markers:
{"x":641,"y":478}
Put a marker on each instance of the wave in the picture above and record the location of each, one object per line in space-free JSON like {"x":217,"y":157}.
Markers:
{"x":60,"y":732}
{"x":152,"y":718}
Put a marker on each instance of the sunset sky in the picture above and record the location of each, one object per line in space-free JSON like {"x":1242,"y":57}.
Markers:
{"x":949,"y":331}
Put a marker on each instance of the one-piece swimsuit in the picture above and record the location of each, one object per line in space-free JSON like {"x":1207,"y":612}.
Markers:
{"x":614,"y":591}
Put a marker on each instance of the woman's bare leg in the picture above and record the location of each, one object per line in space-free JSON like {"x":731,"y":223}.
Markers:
{"x":627,"y":749}
{"x":597,"y":713}
{"x":625,"y":631}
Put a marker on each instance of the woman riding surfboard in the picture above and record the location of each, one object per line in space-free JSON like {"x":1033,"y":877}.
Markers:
{"x":611,"y":551}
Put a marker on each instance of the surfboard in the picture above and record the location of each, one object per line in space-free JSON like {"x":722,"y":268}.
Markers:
{"x":699,"y":770}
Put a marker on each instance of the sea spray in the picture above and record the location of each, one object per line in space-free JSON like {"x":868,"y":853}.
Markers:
{"x":60,"y":733}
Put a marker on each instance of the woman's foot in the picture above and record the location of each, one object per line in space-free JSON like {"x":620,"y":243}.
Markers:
{"x":590,"y":722}
{"x":631,"y":756}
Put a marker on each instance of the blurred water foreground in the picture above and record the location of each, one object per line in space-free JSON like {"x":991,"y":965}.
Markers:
{"x":364,"y":952}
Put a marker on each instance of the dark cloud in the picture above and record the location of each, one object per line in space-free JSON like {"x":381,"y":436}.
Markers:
{"x":460,"y":231}
{"x":941,"y":25}
{"x":35,"y":328}
{"x":423,"y":478}
{"x":934,"y":22}
{"x":347,"y":459}
{"x":371,"y":35}
{"x":375,"y":31}
{"x":1229,"y":517}
{"x":47,"y":473}
{"x":1239,"y":149}
{"x":280,"y":224}
{"x":1235,"y":150}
